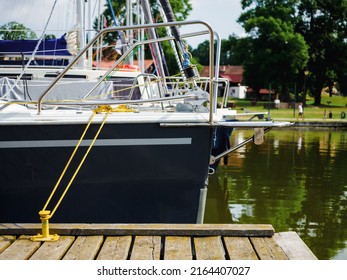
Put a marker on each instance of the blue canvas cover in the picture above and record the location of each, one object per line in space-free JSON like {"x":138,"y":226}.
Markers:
{"x":49,"y":47}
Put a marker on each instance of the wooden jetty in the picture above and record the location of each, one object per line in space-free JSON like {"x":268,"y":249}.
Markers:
{"x":152,"y":242}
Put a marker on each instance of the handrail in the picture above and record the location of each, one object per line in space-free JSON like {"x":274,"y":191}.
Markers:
{"x":114,"y":66}
{"x":116,"y":102}
{"x":101,"y":102}
{"x":137,"y":27}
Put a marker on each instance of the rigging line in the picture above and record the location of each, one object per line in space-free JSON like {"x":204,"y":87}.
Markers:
{"x":112,"y":12}
{"x":81,"y":162}
{"x":169,"y":31}
{"x":69,"y":161}
{"x":120,"y":33}
{"x":42,"y":35}
{"x":36,"y":47}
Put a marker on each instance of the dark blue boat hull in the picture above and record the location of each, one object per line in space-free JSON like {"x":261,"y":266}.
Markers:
{"x":135,"y":173}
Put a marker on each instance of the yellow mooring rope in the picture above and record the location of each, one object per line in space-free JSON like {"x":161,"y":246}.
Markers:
{"x":45,"y":215}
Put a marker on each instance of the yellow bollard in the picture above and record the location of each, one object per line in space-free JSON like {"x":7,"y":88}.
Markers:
{"x":45,"y":236}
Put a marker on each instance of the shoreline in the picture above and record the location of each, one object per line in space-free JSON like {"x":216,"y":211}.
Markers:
{"x":329,"y":123}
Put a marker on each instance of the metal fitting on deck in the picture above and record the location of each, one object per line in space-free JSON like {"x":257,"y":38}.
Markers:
{"x":45,"y":236}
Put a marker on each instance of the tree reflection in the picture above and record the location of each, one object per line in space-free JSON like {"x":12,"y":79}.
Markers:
{"x":294,"y":181}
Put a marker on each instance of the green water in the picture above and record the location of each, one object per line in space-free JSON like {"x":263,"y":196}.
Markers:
{"x":296,"y":181}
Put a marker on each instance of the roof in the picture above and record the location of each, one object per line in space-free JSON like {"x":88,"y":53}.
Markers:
{"x":234,"y":73}
{"x":265,"y":91}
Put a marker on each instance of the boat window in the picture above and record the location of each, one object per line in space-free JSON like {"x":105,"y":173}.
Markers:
{"x":54,"y":75}
{"x":25,"y":76}
{"x":125,"y":88}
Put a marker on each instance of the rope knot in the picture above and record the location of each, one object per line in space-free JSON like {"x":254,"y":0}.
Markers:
{"x":103,"y":109}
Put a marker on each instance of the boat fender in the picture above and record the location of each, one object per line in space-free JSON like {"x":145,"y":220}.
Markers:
{"x":180,"y":107}
{"x":258,"y":137}
{"x":220,"y":144}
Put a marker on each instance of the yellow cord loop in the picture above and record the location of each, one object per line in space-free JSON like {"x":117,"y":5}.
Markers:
{"x":45,"y":215}
{"x":108,"y":108}
{"x":123,"y":108}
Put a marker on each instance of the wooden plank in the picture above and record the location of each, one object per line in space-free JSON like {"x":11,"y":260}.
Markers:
{"x":5,"y":241}
{"x":142,"y":229}
{"x":146,"y":248}
{"x":209,"y":248}
{"x":267,"y":249}
{"x":239,"y":248}
{"x":20,"y":249}
{"x":84,"y":248}
{"x":115,"y":248}
{"x":178,"y":248}
{"x":54,"y":250}
{"x":293,"y":246}
{"x":148,"y":245}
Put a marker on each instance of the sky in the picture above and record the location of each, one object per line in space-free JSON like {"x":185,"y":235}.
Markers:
{"x":34,"y":14}
{"x":220,"y":14}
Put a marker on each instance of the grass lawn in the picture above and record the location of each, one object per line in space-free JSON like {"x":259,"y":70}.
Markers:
{"x":335,"y":104}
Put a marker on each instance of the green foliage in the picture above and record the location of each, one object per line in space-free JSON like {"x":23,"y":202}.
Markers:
{"x":16,"y":31}
{"x":277,"y":52}
{"x":49,"y":36}
{"x":285,"y":39}
{"x":228,"y":55}
{"x":201,"y":53}
{"x":181,"y":9}
{"x":324,"y":26}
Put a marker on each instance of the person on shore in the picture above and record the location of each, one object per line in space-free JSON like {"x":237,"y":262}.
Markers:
{"x":301,"y":112}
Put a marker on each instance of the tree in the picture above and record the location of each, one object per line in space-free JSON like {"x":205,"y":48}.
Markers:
{"x":290,"y":41}
{"x":16,"y":31}
{"x":230,"y":54}
{"x":323,"y":24}
{"x":341,"y":66}
{"x":201,"y":53}
{"x":49,"y":36}
{"x":276,"y":53}
{"x":181,"y":9}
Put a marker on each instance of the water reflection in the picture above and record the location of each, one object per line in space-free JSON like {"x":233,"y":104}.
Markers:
{"x":295,"y":181}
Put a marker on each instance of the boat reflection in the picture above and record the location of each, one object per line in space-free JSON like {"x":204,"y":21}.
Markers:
{"x":217,"y":208}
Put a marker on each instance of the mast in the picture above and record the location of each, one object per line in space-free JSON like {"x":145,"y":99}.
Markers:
{"x":140,"y":36}
{"x":120,"y":33}
{"x":185,"y":61}
{"x":158,"y":59}
{"x":81,"y":30}
{"x":168,"y":30}
{"x":89,"y":34}
{"x":129,"y":21}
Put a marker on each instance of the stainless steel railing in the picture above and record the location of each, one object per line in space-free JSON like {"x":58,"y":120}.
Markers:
{"x":131,"y":48}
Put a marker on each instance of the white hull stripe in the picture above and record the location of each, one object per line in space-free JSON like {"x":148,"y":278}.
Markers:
{"x":99,"y":142}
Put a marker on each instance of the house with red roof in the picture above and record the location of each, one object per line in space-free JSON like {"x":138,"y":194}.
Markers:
{"x":234,"y":75}
{"x":237,"y":88}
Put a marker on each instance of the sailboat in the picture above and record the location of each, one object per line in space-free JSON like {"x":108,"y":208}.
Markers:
{"x":119,"y":145}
